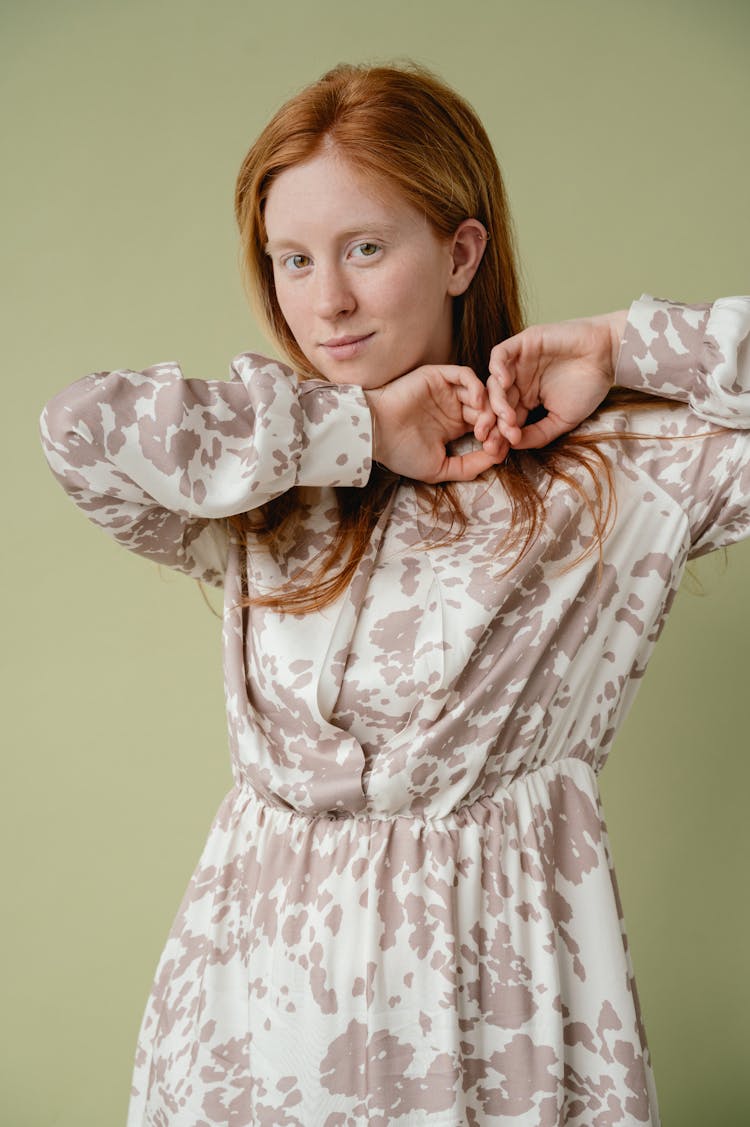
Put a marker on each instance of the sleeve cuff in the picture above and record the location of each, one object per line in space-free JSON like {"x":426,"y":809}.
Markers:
{"x":337,"y":430}
{"x":663,"y":347}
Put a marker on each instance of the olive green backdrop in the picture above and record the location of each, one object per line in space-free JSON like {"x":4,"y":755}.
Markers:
{"x":622,"y":129}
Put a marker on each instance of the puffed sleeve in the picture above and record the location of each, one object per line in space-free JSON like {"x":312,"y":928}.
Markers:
{"x":698,"y":355}
{"x":158,"y":460}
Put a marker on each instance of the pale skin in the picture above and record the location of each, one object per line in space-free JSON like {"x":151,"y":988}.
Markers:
{"x":367,"y":287}
{"x":567,"y":368}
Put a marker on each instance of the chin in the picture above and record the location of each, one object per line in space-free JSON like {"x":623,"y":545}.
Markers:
{"x":369,"y":379}
{"x":378,"y":375}
{"x":367,"y":372}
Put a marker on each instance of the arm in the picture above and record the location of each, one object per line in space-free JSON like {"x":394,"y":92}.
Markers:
{"x":154,"y":458}
{"x":697,"y":354}
{"x":567,"y":368}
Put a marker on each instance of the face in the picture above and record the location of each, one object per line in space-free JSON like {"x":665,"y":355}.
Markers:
{"x":363,"y":282}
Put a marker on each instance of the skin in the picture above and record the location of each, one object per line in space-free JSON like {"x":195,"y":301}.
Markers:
{"x":353,"y":262}
{"x":367,"y":286}
{"x":567,"y":368}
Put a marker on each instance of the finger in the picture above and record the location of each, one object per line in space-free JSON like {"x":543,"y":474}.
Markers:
{"x":512,"y":433}
{"x":465,"y":380}
{"x":523,"y":350}
{"x":505,"y":432}
{"x":513,"y":396}
{"x":495,"y":444}
{"x":521,"y":416}
{"x":475,"y":398}
{"x":466,"y":399}
{"x":505,"y":373}
{"x":503,"y":399}
{"x":509,"y":413}
{"x":483,"y":423}
{"x":503,"y":359}
{"x":542,"y":433}
{"x":466,"y":467}
{"x":498,"y":398}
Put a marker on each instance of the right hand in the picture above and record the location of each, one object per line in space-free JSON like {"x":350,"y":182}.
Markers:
{"x":417,"y":414}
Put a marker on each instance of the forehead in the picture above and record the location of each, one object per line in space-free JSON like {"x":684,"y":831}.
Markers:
{"x":327,"y":193}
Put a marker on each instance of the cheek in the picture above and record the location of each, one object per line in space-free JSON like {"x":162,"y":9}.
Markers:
{"x":398,"y":300}
{"x":406,"y":282}
{"x":290,"y":305}
{"x":419,"y":310}
{"x":420,"y":287}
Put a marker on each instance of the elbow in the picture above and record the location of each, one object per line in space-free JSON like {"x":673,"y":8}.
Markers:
{"x":68,"y":442}
{"x":60,"y":420}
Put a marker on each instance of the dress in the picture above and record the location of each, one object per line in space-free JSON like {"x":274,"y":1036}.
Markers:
{"x":406,"y":911}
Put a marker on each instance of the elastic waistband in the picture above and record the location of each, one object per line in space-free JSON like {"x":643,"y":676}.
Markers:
{"x":522,"y":788}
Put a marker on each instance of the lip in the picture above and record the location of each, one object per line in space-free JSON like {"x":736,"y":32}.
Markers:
{"x":345,"y":348}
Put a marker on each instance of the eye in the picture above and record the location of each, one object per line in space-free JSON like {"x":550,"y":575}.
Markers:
{"x":296,"y":262}
{"x":366,"y":250}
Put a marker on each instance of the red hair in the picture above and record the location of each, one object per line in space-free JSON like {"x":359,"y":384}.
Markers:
{"x":403,"y":128}
{"x":407,"y":130}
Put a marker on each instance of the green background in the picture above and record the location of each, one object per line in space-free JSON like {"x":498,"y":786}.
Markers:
{"x":622,"y":129}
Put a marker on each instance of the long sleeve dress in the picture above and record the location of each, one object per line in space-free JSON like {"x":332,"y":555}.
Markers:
{"x":406,"y":910}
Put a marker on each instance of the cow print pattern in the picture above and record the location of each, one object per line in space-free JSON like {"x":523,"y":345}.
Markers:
{"x":406,"y":911}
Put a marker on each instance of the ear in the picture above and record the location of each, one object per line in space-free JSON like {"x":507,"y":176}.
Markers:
{"x":467,"y":247}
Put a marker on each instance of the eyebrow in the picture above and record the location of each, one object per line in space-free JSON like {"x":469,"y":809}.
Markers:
{"x":377,"y":228}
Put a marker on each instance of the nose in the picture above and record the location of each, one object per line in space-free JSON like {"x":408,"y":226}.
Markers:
{"x":332,"y":292}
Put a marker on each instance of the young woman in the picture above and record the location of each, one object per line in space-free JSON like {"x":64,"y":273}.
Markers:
{"x":406,"y":910}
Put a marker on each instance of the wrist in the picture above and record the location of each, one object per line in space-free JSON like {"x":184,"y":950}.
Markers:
{"x":371,"y":397}
{"x":616,"y":322}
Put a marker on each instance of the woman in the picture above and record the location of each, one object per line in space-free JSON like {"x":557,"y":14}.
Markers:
{"x":406,"y":911}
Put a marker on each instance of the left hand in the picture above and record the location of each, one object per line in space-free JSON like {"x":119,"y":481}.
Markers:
{"x":567,"y":368}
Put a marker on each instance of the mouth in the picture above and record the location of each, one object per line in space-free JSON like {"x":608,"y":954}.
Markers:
{"x":345,"y":348}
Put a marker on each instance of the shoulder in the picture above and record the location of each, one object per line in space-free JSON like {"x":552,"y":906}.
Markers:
{"x":251,"y":365}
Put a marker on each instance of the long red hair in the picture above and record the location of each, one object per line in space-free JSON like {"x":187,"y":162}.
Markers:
{"x":402,"y":127}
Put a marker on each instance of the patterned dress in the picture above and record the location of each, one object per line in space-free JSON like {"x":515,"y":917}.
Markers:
{"x":406,"y":911}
